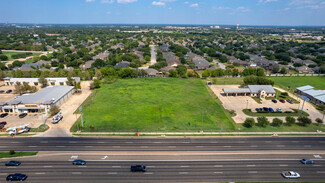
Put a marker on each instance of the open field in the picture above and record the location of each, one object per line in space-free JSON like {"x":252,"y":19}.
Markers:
{"x":153,"y":104}
{"x":9,"y":53}
{"x":294,"y":82}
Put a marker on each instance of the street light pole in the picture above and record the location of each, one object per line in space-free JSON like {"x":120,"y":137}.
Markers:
{"x":202,"y":120}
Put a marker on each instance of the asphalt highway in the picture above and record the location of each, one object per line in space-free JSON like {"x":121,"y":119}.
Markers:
{"x":163,"y":144}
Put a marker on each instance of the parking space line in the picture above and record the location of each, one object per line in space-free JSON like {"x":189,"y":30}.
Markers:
{"x":185,"y":166}
{"x":251,"y":165}
{"x":100,"y":142}
{"x":226,"y":146}
{"x":317,"y":165}
{"x":116,"y":146}
{"x":151,"y":166}
{"x":47,"y":166}
{"x":320,"y":172}
{"x":171,"y":146}
{"x":198,"y":146}
{"x":32,"y":146}
{"x":59,"y":146}
{"x":253,"y":146}
{"x":143,"y":146}
{"x":129,"y":142}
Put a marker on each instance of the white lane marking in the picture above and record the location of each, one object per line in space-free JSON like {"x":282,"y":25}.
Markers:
{"x":226,"y":146}
{"x":317,"y":165}
{"x":151,"y":166}
{"x":317,"y":156}
{"x":11,"y":167}
{"x":198,"y":146}
{"x":3,"y":146}
{"x":116,"y":166}
{"x":40,"y":173}
{"x":3,"y":173}
{"x":82,"y":166}
{"x":74,"y":157}
{"x":76,"y":173}
{"x":47,"y":166}
{"x":251,"y":165}
{"x":214,"y":142}
{"x":148,"y":173}
{"x":185,"y":142}
{"x":15,"y":142}
{"x":280,"y":145}
{"x":72,"y":142}
{"x":185,"y":166}
{"x":218,"y":172}
{"x":143,"y":146}
{"x":100,"y":142}
{"x":44,"y":142}
{"x":295,"y":141}
{"x":307,"y":145}
{"x":171,"y":146}
{"x":59,"y":146}
{"x":208,"y":160}
{"x":129,"y":142}
{"x":320,"y":171}
{"x":283,"y":165}
{"x":112,"y":173}
{"x":252,"y":171}
{"x":268,"y":141}
{"x":241,"y":142}
{"x":182,"y":172}
{"x":32,"y":146}
{"x":157,"y":142}
{"x":218,"y":165}
{"x":116,"y":146}
{"x":253,"y":146}
{"x":104,"y":157}
{"x":88,"y":146}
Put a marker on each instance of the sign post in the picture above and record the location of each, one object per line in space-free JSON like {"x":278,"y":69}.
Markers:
{"x":305,"y":99}
{"x":82,"y":120}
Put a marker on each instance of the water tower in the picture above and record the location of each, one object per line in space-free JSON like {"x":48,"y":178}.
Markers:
{"x":237,"y":26}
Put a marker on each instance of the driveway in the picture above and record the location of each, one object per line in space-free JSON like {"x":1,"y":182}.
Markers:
{"x":62,"y":129}
{"x":153,"y":55}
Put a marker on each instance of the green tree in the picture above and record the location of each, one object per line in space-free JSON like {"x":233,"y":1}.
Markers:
{"x":3,"y":57}
{"x":283,"y":70}
{"x":319,"y":121}
{"x":205,"y":74}
{"x":54,"y":110}
{"x":181,"y":70}
{"x":290,"y":121}
{"x":97,"y":83}
{"x":42,"y":81}
{"x":249,"y":122}
{"x":277,"y":122}
{"x":262,"y":121}
{"x":173,"y":73}
{"x":304,"y":121}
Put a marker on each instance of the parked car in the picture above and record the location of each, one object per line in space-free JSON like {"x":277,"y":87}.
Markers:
{"x":79,"y":162}
{"x":16,"y":177}
{"x":274,"y":101}
{"x":282,"y":101}
{"x":22,"y":115}
{"x":290,"y":175}
{"x":3,"y":115}
{"x":138,"y":168}
{"x":271,"y":110}
{"x":3,"y":123}
{"x":306,"y":161}
{"x":2,"y":91}
{"x":8,"y":91}
{"x":290,"y":101}
{"x":265,"y":109}
{"x":12,"y":163}
{"x":257,"y":109}
{"x":279,"y":109}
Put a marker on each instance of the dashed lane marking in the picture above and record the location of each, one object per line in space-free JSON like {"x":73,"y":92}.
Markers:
{"x":251,"y":165}
{"x":148,"y":173}
{"x":283,"y":165}
{"x":182,"y":172}
{"x":252,"y":171}
{"x":40,"y":173}
{"x":218,"y":172}
{"x":218,"y":165}
{"x":112,"y":173}
{"x":76,"y":173}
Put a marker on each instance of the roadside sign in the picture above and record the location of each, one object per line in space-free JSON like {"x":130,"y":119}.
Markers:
{"x":43,"y":113}
{"x":80,"y":108}
{"x":305,"y":98}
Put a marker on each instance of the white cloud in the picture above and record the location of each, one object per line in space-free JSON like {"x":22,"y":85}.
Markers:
{"x":108,"y":12}
{"x":186,"y":2}
{"x":158,"y":3}
{"x":220,"y":8}
{"x":194,"y":5}
{"x":88,"y":1}
{"x":242,"y":9}
{"x":267,"y":1}
{"x":126,"y":1}
{"x":107,"y":1}
{"x":286,"y":9}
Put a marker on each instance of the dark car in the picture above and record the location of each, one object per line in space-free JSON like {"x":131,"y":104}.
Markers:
{"x":8,"y":91}
{"x":271,"y":110}
{"x":12,"y":163}
{"x":138,"y":168}
{"x":307,"y":161}
{"x":265,"y":108}
{"x":274,"y":101}
{"x":290,"y":101}
{"x":282,"y":101}
{"x":258,"y":109}
{"x":22,"y":115}
{"x":79,"y":162}
{"x":3,"y":123}
{"x":2,"y":91}
{"x":16,"y":177}
{"x":3,"y":115}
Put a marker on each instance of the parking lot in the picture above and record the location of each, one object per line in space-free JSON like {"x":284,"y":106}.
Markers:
{"x":238,"y":103}
{"x":35,"y":120}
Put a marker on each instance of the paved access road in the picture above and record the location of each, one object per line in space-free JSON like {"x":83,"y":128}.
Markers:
{"x":163,"y":144}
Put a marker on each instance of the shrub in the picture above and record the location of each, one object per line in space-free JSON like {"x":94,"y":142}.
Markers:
{"x":304,"y":121}
{"x":277,"y":122}
{"x":319,"y":121}
{"x":54,"y":110}
{"x":290,"y":120}
{"x":249,"y":122}
{"x":12,"y":152}
{"x":262,"y":122}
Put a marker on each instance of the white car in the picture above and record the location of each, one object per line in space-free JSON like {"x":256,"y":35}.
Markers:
{"x":279,"y":109}
{"x":290,"y":175}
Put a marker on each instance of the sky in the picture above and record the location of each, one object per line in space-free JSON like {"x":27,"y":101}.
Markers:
{"x":211,"y":12}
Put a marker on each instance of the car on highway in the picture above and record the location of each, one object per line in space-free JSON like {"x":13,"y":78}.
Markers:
{"x":282,"y":101}
{"x":2,"y":91}
{"x":3,"y":115}
{"x":279,"y":109}
{"x":274,"y":101}
{"x":8,"y":91}
{"x":12,"y":163}
{"x":138,"y":168}
{"x":79,"y":162}
{"x":290,"y":101}
{"x":16,"y":177}
{"x":22,"y":115}
{"x":290,"y":175}
{"x":271,"y":110}
{"x":306,"y":161}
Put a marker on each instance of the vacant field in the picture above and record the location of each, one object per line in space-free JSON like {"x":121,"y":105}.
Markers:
{"x":153,"y":104}
{"x":294,"y":82}
{"x":9,"y":53}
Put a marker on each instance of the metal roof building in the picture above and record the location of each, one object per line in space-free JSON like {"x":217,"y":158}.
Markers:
{"x":251,"y":90}
{"x":320,"y":100}
{"x":316,"y":96}
{"x":259,"y":88}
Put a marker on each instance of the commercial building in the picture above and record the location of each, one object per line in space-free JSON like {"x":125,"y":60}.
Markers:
{"x":41,"y":101}
{"x":35,"y":82}
{"x":316,"y":96}
{"x":260,"y":91}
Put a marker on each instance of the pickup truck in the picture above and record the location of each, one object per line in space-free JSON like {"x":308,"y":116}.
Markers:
{"x":290,"y":175}
{"x":138,"y":168}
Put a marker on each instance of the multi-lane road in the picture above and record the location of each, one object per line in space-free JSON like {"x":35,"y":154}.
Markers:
{"x":221,"y":159}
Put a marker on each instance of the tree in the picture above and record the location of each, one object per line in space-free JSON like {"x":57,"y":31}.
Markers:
{"x":42,"y":81}
{"x":54,"y":110}
{"x":304,"y":121}
{"x":277,"y":122}
{"x":283,"y":70}
{"x":181,"y":70}
{"x":3,"y":57}
{"x":262,"y":121}
{"x":70,"y":81}
{"x":98,"y":74}
{"x":173,"y":73}
{"x":290,"y":121}
{"x":319,"y":121}
{"x":249,"y":122}
{"x":97,"y":83}
{"x":260,"y":72}
{"x":205,"y":74}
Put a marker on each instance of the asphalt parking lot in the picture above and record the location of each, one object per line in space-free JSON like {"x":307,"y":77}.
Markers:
{"x":35,"y":120}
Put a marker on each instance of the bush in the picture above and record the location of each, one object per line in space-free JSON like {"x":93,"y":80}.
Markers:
{"x":319,"y":121}
{"x":249,"y":122}
{"x":12,"y":152}
{"x":304,"y":121}
{"x":54,"y":110}
{"x":262,"y":122}
{"x":290,"y":120}
{"x":277,"y":122}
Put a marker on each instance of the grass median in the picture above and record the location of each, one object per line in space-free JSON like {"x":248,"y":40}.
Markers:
{"x":17,"y":154}
{"x":274,"y":114}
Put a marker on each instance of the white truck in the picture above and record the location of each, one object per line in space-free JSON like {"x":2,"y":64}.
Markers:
{"x":56,"y":118}
{"x":18,"y":130}
{"x":290,"y":175}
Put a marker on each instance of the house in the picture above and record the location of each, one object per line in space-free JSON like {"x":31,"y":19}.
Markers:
{"x":167,"y":69}
{"x":28,"y":67}
{"x":103,"y":56}
{"x":260,"y":91}
{"x":169,"y":56}
{"x":122,"y":64}
{"x":87,"y":65}
{"x":152,"y":72}
{"x":303,"y":62}
{"x":174,"y":63}
{"x":164,"y":47}
{"x":201,"y":64}
{"x":43,"y":62}
{"x":304,"y":69}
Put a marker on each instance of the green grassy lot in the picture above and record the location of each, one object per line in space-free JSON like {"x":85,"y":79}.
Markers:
{"x":9,"y":53}
{"x":41,"y":128}
{"x":294,"y":82}
{"x":283,"y":128}
{"x":228,"y":81}
{"x":17,"y":154}
{"x":153,"y":104}
{"x":274,"y":114}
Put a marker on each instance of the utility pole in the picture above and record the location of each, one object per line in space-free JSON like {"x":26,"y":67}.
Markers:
{"x":202,"y":121}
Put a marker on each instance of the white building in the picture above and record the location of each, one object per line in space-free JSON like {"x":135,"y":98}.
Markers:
{"x":260,"y":91}
{"x":35,"y":82}
{"x":41,"y":101}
